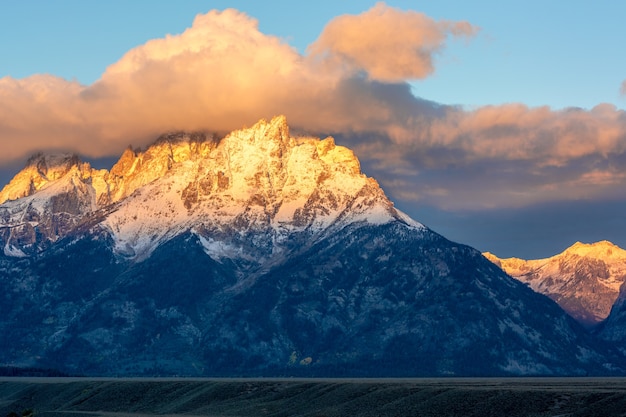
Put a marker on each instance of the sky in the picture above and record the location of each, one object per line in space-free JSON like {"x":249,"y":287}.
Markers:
{"x":498,"y":124}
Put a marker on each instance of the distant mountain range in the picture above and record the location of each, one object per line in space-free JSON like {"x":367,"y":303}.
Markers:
{"x":258,"y":253}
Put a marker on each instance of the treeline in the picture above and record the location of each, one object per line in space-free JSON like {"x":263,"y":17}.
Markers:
{"x":31,"y":372}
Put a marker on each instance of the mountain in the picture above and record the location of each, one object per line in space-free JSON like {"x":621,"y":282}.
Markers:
{"x":257,"y":253}
{"x":613,"y":329}
{"x":584,"y":280}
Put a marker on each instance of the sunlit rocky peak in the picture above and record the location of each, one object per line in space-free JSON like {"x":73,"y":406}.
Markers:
{"x":600,"y":250}
{"x":40,"y":170}
{"x":257,"y":180}
{"x":584,"y":279}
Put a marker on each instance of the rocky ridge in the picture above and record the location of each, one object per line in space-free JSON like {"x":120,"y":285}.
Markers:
{"x":254,"y":178}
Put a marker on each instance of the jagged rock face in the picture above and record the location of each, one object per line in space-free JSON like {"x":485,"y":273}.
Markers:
{"x":31,"y":224}
{"x":136,"y":169}
{"x":259,"y":254}
{"x":40,"y":171}
{"x":584,"y":280}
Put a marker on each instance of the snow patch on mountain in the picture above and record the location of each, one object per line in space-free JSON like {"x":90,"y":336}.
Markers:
{"x":12,"y":251}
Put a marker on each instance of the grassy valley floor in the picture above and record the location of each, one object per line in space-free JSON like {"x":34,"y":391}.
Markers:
{"x":88,"y":397}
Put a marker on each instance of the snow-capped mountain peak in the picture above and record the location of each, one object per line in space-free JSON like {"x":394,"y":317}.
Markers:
{"x":30,"y":224}
{"x":600,"y":250}
{"x":259,"y":180}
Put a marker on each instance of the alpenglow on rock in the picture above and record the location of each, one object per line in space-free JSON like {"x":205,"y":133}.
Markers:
{"x":254,"y":180}
{"x":256,"y":254}
{"x":584,"y":280}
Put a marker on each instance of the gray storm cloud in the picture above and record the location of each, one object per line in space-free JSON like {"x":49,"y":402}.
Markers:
{"x":222,"y":73}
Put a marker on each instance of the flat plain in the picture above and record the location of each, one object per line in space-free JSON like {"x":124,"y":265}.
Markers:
{"x":441,"y":397}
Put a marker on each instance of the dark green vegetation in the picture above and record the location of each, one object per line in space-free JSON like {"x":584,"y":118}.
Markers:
{"x":306,"y":397}
{"x":368,"y":301}
{"x":30,"y":372}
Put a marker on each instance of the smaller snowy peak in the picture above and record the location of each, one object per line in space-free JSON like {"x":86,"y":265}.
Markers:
{"x":602,"y":250}
{"x":599,"y":250}
{"x":584,"y":279}
{"x":33,"y":223}
{"x":41,"y":169}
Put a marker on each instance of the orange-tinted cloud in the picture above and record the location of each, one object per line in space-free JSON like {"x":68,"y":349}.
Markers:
{"x":219,"y":74}
{"x":222,"y":73}
{"x":505,"y":156}
{"x":547,"y":137}
{"x":499,"y":156}
{"x":387,"y":43}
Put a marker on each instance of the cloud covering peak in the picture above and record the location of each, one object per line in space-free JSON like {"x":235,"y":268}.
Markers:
{"x":219,"y":74}
{"x":222,"y":73}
